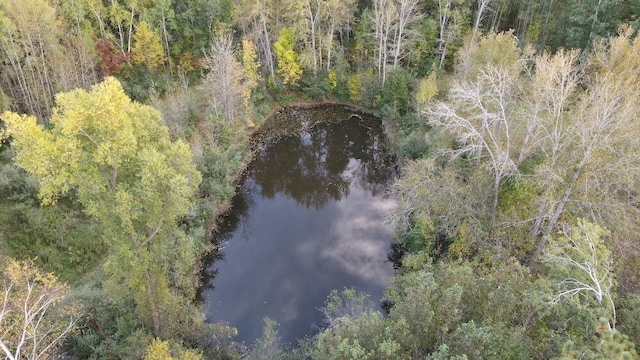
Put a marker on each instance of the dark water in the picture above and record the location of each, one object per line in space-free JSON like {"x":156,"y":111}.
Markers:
{"x":309,"y":218}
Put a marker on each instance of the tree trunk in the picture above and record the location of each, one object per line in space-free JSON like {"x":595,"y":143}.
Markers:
{"x":100,"y":24}
{"x":494,"y":204}
{"x":266,"y":44}
{"x":556,"y":215}
{"x":155,"y":317}
{"x":444,"y":19}
{"x":330,"y":45}
{"x":595,"y":19}
{"x":312,"y":21}
{"x":130,"y":30}
{"x":166,"y":38}
{"x":483,"y":5}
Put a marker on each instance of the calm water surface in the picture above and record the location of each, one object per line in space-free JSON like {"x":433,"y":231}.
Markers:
{"x":309,"y":218}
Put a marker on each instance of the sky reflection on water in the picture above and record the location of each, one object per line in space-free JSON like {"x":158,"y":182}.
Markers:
{"x":308,"y":219}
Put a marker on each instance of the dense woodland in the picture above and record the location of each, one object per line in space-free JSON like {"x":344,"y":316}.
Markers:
{"x":126,"y":123}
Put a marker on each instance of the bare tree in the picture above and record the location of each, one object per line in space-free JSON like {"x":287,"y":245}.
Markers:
{"x":552,"y":87}
{"x":444,"y":14}
{"x":482,"y":116}
{"x":482,"y":7}
{"x":450,"y":13}
{"x":383,"y":18}
{"x":29,"y":326}
{"x":590,"y":141}
{"x":578,"y":119}
{"x":392,"y":21}
{"x":227,"y":80}
{"x":339,"y":17}
{"x":404,"y":36}
{"x":586,"y":264}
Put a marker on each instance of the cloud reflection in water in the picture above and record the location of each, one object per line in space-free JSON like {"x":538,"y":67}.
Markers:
{"x":309,"y":219}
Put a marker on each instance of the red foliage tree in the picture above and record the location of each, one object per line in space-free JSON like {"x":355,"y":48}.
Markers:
{"x":111,"y":59}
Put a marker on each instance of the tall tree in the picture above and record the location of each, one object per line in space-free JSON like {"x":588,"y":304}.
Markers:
{"x":340,"y":17}
{"x":306,"y":17}
{"x":118,"y":158}
{"x":404,"y":35}
{"x":40,"y":56}
{"x":575,"y":121}
{"x":250,"y":62}
{"x":162,"y":17}
{"x":195,"y":24}
{"x":482,"y":110}
{"x":316,"y":23}
{"x":482,"y":6}
{"x":590,"y":20}
{"x":382,"y":17}
{"x":451,"y":18}
{"x":258,"y":21}
{"x":590,"y":139}
{"x":392,"y":21}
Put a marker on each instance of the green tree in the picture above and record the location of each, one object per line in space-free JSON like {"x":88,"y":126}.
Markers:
{"x":427,"y":90}
{"x":288,"y":60}
{"x":609,"y":345}
{"x":440,"y":201}
{"x":470,"y":341}
{"x":613,"y":344}
{"x":127,"y":173}
{"x":306,"y":17}
{"x":194,"y":24}
{"x":162,"y":16}
{"x":590,"y":20}
{"x":268,"y":346}
{"x":356,"y":331}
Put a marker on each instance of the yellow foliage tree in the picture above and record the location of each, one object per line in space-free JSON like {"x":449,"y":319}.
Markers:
{"x":250,"y":63}
{"x":288,"y":60}
{"x":159,"y":350}
{"x":128,"y":175}
{"x":427,"y":90}
{"x":147,"y":47}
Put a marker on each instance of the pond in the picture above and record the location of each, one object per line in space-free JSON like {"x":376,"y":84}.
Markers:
{"x":308,"y":218}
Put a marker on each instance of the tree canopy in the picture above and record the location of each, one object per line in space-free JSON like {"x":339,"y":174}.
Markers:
{"x":118,"y":158}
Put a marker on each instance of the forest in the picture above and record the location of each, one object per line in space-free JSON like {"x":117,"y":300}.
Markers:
{"x":125,"y":124}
